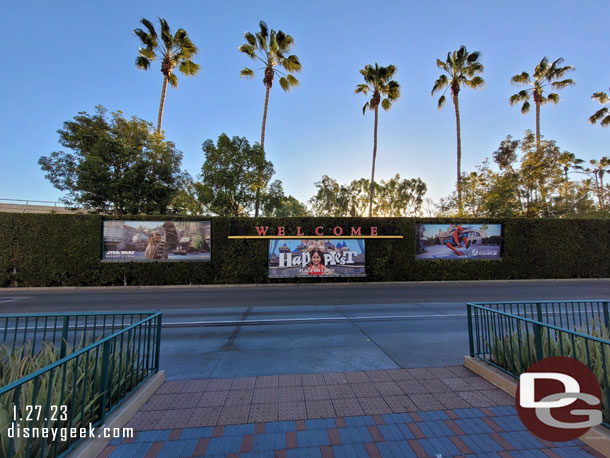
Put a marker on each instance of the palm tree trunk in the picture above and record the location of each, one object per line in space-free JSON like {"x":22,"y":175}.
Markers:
{"x":459,"y":153}
{"x":373,"y":168}
{"x":537,"y":126}
{"x":258,"y":190}
{"x":162,"y":104}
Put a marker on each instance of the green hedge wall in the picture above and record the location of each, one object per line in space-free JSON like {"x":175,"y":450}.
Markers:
{"x":65,"y":250}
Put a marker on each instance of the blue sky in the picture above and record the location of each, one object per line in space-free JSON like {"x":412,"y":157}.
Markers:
{"x":68,"y":56}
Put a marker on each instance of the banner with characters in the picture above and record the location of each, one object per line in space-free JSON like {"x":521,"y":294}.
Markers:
{"x":458,"y":241}
{"x":153,"y":241}
{"x":316,"y":257}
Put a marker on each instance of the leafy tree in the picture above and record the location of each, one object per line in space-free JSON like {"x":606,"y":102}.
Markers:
{"x":599,"y":169}
{"x":331,"y":198}
{"x":232,"y":172}
{"x":116,"y":165}
{"x":175,"y":51}
{"x":270,"y":48}
{"x":603,"y":114}
{"x":378,"y":81}
{"x":460,"y":68}
{"x":535,"y":184}
{"x":545,"y":75}
{"x":186,"y":201}
{"x":395,"y":197}
{"x":277,"y":204}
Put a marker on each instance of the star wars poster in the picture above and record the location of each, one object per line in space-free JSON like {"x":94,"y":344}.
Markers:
{"x":458,"y":241}
{"x":156,"y":241}
{"x":316,"y":258}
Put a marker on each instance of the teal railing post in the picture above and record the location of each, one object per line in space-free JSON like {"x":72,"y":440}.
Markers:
{"x":104,"y":381}
{"x":538,"y":333}
{"x":64,"y":337}
{"x":158,"y":344}
{"x":470,"y":336}
{"x":606,"y":316}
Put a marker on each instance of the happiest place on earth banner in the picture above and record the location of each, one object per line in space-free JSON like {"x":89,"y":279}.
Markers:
{"x":153,"y":241}
{"x":316,"y":257}
{"x":458,"y":241}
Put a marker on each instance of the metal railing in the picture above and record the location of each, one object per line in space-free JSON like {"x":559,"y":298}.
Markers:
{"x":85,"y":366}
{"x":512,"y":336}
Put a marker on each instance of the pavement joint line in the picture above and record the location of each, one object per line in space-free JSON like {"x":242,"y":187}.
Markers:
{"x":305,"y":284}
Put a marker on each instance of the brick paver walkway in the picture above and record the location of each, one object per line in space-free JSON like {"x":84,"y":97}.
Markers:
{"x":427,"y":412}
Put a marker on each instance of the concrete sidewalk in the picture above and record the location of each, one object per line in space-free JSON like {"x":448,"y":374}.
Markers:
{"x":425,"y":412}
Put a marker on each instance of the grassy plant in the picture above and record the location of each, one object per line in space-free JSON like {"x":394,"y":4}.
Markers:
{"x":75,"y":384}
{"x":515,"y":351}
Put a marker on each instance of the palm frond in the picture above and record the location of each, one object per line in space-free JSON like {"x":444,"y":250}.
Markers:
{"x":520,"y":96}
{"x":441,"y":102}
{"x":142,"y":63}
{"x":247,"y":73}
{"x":553,"y":97}
{"x":476,"y":82}
{"x":442,"y":65}
{"x":249,"y":50}
{"x":147,"y":39}
{"x":189,"y":68}
{"x":599,"y":114}
{"x":364,"y":88}
{"x":284,"y":83}
{"x":147,"y":53}
{"x":172,"y":79}
{"x":250,"y":39}
{"x":166,"y":35}
{"x":525,"y":107}
{"x":151,"y":28}
{"x":292,"y":80}
{"x":601,"y":97}
{"x":386,"y":104}
{"x":440,"y":83}
{"x":563,"y":84}
{"x":521,"y":78}
{"x":366,"y":105}
{"x":291,"y":63}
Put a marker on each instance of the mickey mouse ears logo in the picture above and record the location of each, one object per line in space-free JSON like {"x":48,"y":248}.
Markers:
{"x":559,"y":399}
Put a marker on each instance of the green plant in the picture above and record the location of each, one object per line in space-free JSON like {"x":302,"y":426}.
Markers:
{"x":75,"y":384}
{"x":515,"y":351}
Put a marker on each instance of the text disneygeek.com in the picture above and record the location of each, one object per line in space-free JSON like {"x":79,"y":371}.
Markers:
{"x":63,"y":434}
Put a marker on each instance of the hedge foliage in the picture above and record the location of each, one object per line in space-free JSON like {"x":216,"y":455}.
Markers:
{"x":65,"y":250}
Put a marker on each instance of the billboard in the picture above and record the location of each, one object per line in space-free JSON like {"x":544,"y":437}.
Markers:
{"x":316,"y":257}
{"x":154,"y":241}
{"x":458,"y":241}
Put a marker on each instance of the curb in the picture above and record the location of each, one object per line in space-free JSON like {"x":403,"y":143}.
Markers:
{"x":308,"y":285}
{"x":597,"y":437}
{"x":91,"y":448}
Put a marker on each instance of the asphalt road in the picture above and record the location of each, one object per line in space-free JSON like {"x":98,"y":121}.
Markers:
{"x":282,"y":329}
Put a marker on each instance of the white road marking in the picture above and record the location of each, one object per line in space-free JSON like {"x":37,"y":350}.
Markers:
{"x":6,"y":300}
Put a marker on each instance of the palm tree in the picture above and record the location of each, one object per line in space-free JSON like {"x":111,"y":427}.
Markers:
{"x":545,"y":74}
{"x":175,"y":51}
{"x":270,"y":48}
{"x":602,"y":113}
{"x":600,"y":168}
{"x":461,"y":68}
{"x":378,"y":81}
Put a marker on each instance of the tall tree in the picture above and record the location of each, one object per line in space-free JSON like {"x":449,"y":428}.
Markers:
{"x":603,"y":114}
{"x":271,"y":49}
{"x":230,"y":173}
{"x":377,"y":81}
{"x":461,"y":68}
{"x":115,"y":165}
{"x":546,"y":74}
{"x":175,"y":51}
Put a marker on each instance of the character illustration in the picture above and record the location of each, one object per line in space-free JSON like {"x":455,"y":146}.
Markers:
{"x":156,"y":248}
{"x":316,"y":266}
{"x":457,"y":240}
